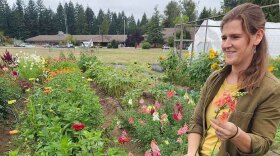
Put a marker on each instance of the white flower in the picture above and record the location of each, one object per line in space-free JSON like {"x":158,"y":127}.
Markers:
{"x":130,"y":102}
{"x":155,"y":116}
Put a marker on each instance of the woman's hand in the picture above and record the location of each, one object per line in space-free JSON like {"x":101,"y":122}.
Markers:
{"x":224,"y":131}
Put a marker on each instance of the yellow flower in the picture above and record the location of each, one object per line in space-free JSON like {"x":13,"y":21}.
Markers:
{"x":211,"y":50}
{"x":166,"y":142}
{"x":89,"y":80}
{"x":270,"y":68}
{"x":12,"y":102}
{"x":48,"y":88}
{"x":31,"y":79}
{"x":162,"y":58}
{"x":188,"y":55}
{"x":214,"y":65}
{"x":212,"y":56}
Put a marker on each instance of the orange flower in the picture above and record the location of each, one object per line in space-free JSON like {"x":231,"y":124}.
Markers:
{"x":47,"y":91}
{"x":224,"y":117}
{"x":69,"y":90}
{"x":232,"y":105}
{"x":12,"y":132}
{"x":130,"y":120}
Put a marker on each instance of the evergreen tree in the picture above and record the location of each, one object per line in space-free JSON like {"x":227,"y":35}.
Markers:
{"x":171,"y":11}
{"x":131,"y":25}
{"x":59,"y":19}
{"x":154,"y":32}
{"x":113,"y":30}
{"x":81,"y":26}
{"x":18,"y":25}
{"x":99,"y":20}
{"x":205,"y":13}
{"x":70,"y":13}
{"x":227,"y":5}
{"x":5,"y":12}
{"x":40,"y":10}
{"x":143,"y":24}
{"x":31,"y":19}
{"x":104,"y":30}
{"x":91,"y":19}
{"x":48,"y":22}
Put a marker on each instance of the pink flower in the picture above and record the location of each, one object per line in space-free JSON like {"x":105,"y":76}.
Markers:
{"x":183,"y":130}
{"x":179,"y":107}
{"x":224,"y":117}
{"x":177,"y":116}
{"x":123,"y":138}
{"x":147,"y":153}
{"x":144,"y":109}
{"x":141,"y":101}
{"x":157,"y":105}
{"x":155,"y":149}
{"x":78,"y":126}
{"x":130,"y":120}
{"x":170,"y":94}
{"x":163,"y":118}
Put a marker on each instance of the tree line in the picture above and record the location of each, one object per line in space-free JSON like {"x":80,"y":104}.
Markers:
{"x":22,"y":21}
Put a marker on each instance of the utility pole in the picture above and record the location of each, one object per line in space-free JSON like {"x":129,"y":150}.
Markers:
{"x":65,"y":19}
{"x":124,"y":32}
{"x":181,"y":36}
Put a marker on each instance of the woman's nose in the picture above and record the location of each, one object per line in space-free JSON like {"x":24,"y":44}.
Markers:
{"x":226,"y":43}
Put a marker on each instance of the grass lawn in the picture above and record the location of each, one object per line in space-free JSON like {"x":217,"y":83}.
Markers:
{"x":110,"y":56}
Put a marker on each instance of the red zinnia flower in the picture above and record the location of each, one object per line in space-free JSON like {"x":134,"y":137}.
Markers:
{"x":14,"y":73}
{"x":78,"y":126}
{"x":170,"y":94}
{"x":152,"y":111}
{"x":123,"y":138}
{"x":177,"y":116}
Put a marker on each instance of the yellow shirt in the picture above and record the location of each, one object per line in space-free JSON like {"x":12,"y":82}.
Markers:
{"x":211,"y":137}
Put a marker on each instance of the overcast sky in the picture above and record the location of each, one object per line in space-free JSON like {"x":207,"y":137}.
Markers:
{"x":135,"y":7}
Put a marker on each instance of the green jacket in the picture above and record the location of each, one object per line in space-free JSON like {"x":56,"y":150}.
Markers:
{"x":257,"y":114}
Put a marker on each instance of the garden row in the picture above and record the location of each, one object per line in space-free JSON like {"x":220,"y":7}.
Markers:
{"x":62,"y":115}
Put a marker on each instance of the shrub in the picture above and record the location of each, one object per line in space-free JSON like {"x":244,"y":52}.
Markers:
{"x":86,"y":61}
{"x":146,"y":45}
{"x":52,"y":111}
{"x":9,"y":90}
{"x":275,"y":66}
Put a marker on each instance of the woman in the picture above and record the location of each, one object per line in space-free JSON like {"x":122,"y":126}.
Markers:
{"x":251,"y":128}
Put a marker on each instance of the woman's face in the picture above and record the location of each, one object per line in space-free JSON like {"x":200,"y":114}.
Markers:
{"x":237,"y":48}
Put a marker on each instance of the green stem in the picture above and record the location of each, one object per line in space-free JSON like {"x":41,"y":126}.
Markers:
{"x":204,"y":134}
{"x":212,"y":153}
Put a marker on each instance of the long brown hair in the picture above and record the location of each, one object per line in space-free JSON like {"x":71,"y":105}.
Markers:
{"x":252,"y":19}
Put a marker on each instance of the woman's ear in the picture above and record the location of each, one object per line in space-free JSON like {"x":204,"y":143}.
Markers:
{"x":258,"y":37}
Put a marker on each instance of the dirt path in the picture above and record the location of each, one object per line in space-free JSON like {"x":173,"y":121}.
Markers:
{"x":110,"y":108}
